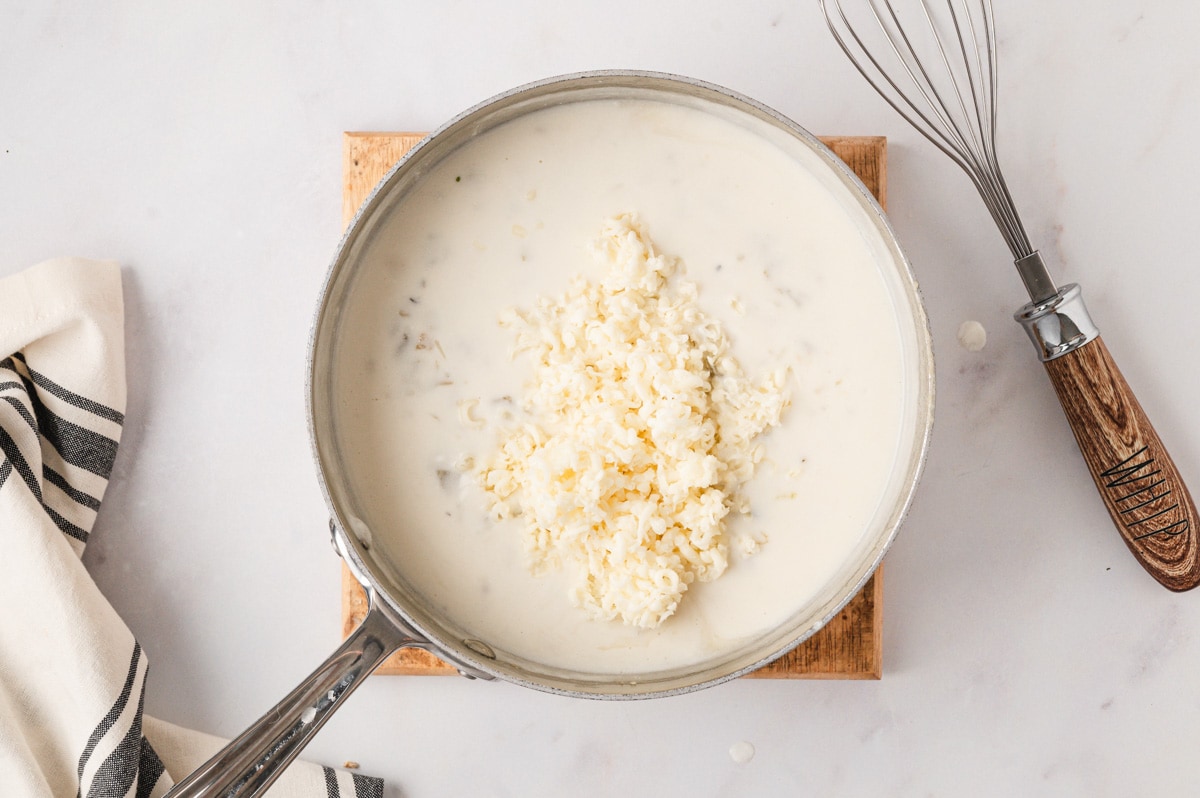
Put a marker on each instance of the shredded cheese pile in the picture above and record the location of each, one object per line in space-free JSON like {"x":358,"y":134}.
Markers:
{"x":639,"y":429}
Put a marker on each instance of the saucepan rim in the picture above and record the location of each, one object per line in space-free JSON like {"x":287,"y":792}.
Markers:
{"x":473,"y":659}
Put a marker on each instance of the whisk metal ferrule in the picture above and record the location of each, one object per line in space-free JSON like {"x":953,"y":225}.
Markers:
{"x":1059,"y":324}
{"x":1036,"y":277}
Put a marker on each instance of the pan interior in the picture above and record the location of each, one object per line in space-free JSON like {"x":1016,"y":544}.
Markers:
{"x":496,"y":210}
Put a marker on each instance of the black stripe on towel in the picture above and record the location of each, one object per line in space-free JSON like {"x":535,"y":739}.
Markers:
{"x":10,"y":450}
{"x":65,"y":526}
{"x":367,"y":786}
{"x":117,"y":773}
{"x":28,"y":389}
{"x":82,"y":402}
{"x":331,"y":788}
{"x":150,"y":770}
{"x":109,"y":719}
{"x":5,"y":469}
{"x":59,"y":481}
{"x":23,"y":382}
{"x":78,"y":445}
{"x":49,"y":474}
{"x":22,"y":411}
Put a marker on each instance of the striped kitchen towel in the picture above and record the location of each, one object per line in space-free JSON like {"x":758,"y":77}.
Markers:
{"x":72,"y":677}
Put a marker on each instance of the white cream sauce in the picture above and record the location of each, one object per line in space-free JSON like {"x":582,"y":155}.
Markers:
{"x":781,"y":261}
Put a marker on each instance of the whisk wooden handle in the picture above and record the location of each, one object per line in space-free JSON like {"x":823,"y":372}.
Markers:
{"x":1135,"y":475}
{"x":956,"y":110}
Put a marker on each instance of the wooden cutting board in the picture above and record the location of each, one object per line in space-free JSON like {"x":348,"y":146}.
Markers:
{"x":850,"y":645}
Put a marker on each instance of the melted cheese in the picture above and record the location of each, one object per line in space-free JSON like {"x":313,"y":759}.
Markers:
{"x":639,"y":431}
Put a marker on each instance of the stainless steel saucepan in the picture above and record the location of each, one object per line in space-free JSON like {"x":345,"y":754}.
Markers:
{"x":399,"y":616}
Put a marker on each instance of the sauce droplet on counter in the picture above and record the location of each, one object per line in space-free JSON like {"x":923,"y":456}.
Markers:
{"x":741,"y":752}
{"x":971,"y":336}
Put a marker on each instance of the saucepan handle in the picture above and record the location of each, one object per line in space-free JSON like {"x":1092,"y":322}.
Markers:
{"x":251,"y":762}
{"x":1141,"y":487}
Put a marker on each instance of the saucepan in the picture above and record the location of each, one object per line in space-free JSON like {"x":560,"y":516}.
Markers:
{"x":404,"y":610}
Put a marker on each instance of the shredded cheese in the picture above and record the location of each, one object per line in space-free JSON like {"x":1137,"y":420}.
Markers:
{"x":638,"y":431}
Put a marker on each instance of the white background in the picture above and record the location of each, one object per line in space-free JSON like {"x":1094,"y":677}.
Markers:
{"x":1025,"y":653}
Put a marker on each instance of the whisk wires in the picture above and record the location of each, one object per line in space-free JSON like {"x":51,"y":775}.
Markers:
{"x":955,"y":106}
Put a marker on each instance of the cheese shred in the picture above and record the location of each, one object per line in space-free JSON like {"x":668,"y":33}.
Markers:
{"x":638,"y":431}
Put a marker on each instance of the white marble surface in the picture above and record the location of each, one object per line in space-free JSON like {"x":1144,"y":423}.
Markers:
{"x":1025,"y":652}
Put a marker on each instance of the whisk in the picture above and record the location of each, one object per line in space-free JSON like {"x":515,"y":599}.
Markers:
{"x":936,"y":66}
